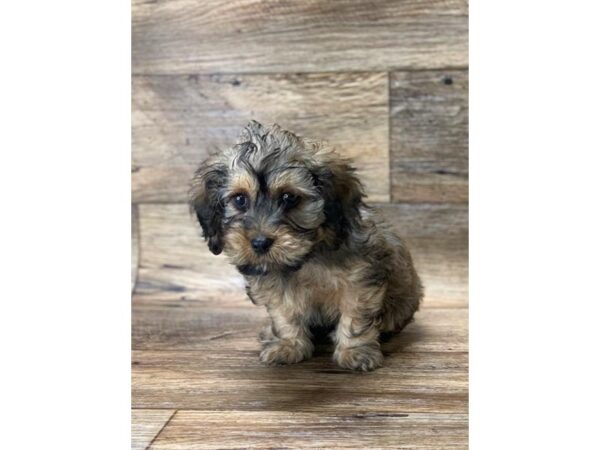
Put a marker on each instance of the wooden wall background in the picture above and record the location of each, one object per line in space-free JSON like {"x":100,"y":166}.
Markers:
{"x":385,"y":82}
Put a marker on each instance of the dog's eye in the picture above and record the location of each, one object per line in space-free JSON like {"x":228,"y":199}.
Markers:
{"x":289,"y":200}
{"x":241,"y":202}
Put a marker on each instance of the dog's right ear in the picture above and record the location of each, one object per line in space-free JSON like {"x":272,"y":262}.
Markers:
{"x":207,"y":203}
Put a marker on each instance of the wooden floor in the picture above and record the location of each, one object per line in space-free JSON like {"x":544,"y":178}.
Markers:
{"x":197,"y":382}
{"x":384,"y":82}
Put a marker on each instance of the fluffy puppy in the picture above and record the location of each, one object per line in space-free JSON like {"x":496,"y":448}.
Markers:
{"x":289,"y":214}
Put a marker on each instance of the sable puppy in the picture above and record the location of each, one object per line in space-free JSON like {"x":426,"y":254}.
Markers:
{"x":289,"y":214}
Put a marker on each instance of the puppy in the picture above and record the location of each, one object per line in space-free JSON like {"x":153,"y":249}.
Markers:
{"x":289,"y":214}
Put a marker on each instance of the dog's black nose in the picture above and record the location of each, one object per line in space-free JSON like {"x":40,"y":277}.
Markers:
{"x":261,"y":244}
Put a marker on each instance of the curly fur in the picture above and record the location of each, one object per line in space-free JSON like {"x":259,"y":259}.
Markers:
{"x":332,"y":261}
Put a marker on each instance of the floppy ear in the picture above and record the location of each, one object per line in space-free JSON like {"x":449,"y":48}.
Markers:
{"x":342,"y":192}
{"x":206,"y":202}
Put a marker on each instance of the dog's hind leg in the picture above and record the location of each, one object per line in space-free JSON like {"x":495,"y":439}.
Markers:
{"x":357,"y":333}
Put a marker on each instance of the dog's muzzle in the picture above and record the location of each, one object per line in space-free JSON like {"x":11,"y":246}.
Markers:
{"x":261,"y":244}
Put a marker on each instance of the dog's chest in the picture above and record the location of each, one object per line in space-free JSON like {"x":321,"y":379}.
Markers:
{"x":315,"y":290}
{"x":316,"y":285}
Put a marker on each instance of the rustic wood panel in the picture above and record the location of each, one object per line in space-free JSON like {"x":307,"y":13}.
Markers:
{"x":179,"y":120}
{"x":214,"y":379}
{"x":232,"y":323}
{"x":283,"y":429}
{"x":135,"y":245}
{"x":429,"y":136}
{"x":437,"y":235}
{"x":175,"y":262}
{"x":222,"y":36}
{"x":146,"y":424}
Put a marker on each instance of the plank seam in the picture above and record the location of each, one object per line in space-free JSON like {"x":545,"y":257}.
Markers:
{"x":255,"y":352}
{"x":139,"y":303}
{"x":317,"y":72}
{"x":389,"y":117}
{"x":183,"y":410}
{"x":139,"y":246}
{"x":161,"y":429}
{"x":404,"y":202}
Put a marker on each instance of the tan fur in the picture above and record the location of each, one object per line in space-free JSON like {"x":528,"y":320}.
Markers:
{"x":243,"y":183}
{"x":332,"y":261}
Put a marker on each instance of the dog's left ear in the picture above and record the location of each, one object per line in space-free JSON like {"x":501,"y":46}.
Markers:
{"x":342,"y":192}
{"x":206,"y":201}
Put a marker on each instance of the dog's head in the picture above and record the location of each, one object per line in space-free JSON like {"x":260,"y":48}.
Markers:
{"x":270,"y":200}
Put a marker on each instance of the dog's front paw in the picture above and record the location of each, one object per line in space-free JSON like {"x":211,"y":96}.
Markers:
{"x":266,"y":335}
{"x":285,"y":352}
{"x":364,"y":357}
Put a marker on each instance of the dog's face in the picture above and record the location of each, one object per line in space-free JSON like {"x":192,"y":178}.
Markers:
{"x":268,"y":201}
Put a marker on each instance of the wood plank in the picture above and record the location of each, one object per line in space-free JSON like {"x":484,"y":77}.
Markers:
{"x":221,"y":36}
{"x":233,"y":323}
{"x":214,"y":379}
{"x":285,"y":429}
{"x":429,"y":136}
{"x":438,"y":236}
{"x":179,"y":120}
{"x":196,"y":325}
{"x":176,"y":264}
{"x":146,"y":424}
{"x":135,"y":245}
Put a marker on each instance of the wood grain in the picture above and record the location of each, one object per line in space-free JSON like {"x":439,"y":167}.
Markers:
{"x":437,"y":235}
{"x":195,"y":350}
{"x":215,"y":379}
{"x":179,"y":120}
{"x":385,"y":83}
{"x":176,"y":264}
{"x":146,"y":424}
{"x":222,"y":36}
{"x":135,"y":245}
{"x":232,"y":323}
{"x":429,"y":136}
{"x":291,"y":429}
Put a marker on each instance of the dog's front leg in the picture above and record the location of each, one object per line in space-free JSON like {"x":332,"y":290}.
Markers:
{"x":288,"y":340}
{"x":357,"y":335}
